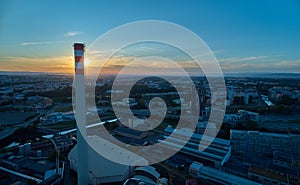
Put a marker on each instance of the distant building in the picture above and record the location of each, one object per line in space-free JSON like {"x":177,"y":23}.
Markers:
{"x":265,"y":143}
{"x":248,"y":93}
{"x":276,"y":93}
{"x":214,"y":176}
{"x":25,"y":149}
{"x":241,"y":117}
{"x":268,"y":150}
{"x":249,"y":115}
{"x":5,"y":100}
{"x":232,"y":119}
{"x":56,"y":117}
{"x":38,"y":102}
{"x":6,"y":90}
{"x":18,"y":98}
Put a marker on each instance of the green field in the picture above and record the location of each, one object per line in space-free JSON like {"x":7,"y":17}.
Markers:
{"x":13,"y":118}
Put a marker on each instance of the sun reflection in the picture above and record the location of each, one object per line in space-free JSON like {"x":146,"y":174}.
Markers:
{"x":86,"y":62}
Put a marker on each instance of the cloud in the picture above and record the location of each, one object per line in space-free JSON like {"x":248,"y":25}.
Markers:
{"x":249,"y":62}
{"x":140,"y":65}
{"x":241,"y":59}
{"x":103,"y":54}
{"x":238,"y":64}
{"x":150,"y":66}
{"x":59,"y":64}
{"x":259,"y":64}
{"x":73,"y":33}
{"x":41,"y":43}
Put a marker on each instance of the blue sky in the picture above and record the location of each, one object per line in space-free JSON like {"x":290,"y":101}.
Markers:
{"x":246,"y":36}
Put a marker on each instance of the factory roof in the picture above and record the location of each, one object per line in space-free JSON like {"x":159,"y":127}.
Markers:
{"x":128,"y":131}
{"x":99,"y":166}
{"x":102,"y":167}
{"x":188,"y":132}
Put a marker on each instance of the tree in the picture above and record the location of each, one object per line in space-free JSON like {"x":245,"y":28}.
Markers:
{"x":239,"y":100}
{"x":141,"y":104}
{"x":263,"y":129}
{"x":31,"y":182}
{"x":52,"y":155}
{"x":251,"y":125}
{"x":250,"y":99}
{"x":287,"y":100}
{"x":239,"y":126}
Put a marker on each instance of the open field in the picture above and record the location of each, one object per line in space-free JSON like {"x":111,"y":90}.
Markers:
{"x":13,"y":118}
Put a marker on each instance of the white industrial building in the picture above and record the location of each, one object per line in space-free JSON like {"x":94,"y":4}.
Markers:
{"x":101,"y":169}
{"x":215,"y":155}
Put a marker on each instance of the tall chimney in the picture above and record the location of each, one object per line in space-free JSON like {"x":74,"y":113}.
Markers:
{"x":80,"y":114}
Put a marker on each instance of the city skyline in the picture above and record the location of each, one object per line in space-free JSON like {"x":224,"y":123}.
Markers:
{"x":253,"y":37}
{"x":150,"y":92}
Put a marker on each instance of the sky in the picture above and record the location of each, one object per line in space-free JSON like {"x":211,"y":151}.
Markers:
{"x":245,"y":36}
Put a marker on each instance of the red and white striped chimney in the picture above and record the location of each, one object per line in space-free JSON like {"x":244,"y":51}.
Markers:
{"x":79,"y":58}
{"x":80,"y":114}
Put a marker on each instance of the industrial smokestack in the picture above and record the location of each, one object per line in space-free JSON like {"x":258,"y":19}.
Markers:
{"x":80,"y":114}
{"x":79,"y":58}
